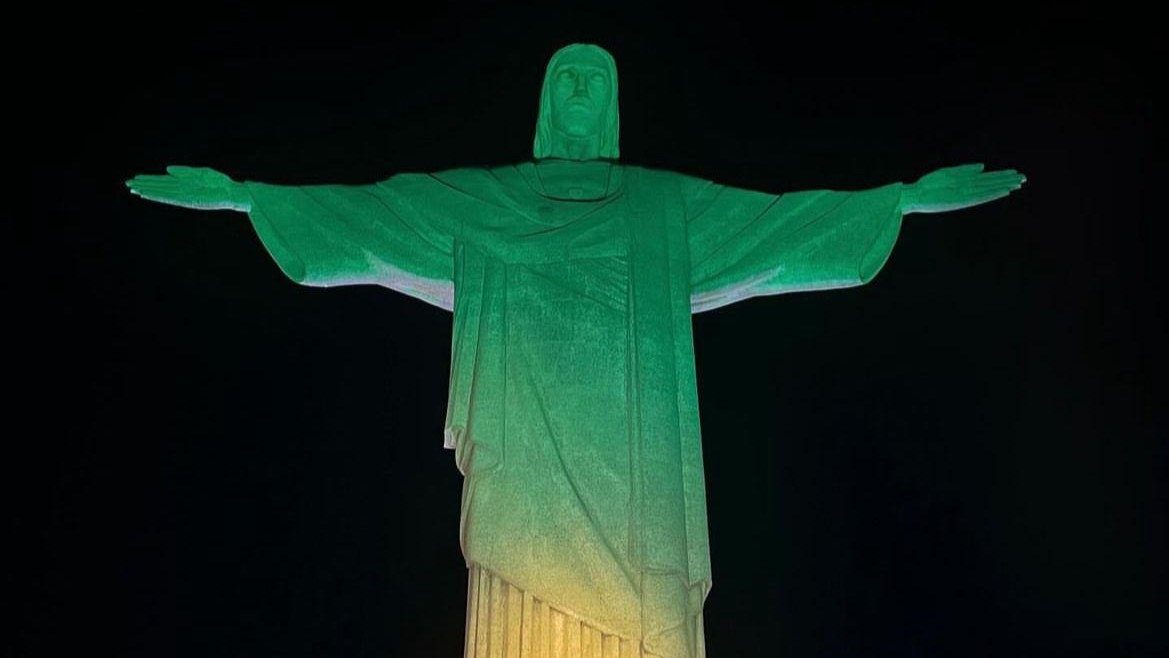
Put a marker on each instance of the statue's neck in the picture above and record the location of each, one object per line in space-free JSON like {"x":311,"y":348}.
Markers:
{"x":577,"y":180}
{"x":566,"y":147}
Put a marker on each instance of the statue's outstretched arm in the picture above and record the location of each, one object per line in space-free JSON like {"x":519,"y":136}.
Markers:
{"x":201,"y":188}
{"x":745,"y":243}
{"x":397,"y":233}
{"x":954,"y":188}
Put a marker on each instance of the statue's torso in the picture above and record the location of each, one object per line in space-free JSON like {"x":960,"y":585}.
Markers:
{"x":543,"y":394}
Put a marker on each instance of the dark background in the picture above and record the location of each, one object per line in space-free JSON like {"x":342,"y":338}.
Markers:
{"x":962,"y":458}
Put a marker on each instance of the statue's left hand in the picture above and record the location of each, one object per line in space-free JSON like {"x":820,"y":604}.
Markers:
{"x":953,"y":188}
{"x":202,"y":188}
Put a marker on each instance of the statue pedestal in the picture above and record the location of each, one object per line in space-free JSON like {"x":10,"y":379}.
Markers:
{"x":504,"y":621}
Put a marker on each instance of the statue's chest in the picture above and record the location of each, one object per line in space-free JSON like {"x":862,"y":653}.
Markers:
{"x":553,"y":232}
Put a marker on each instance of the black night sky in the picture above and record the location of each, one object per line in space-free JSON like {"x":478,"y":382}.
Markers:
{"x":962,"y":458}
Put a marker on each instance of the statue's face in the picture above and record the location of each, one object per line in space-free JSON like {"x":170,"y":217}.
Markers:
{"x":580,"y":93}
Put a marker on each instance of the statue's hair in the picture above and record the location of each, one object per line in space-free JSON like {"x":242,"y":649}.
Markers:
{"x":610,"y":119}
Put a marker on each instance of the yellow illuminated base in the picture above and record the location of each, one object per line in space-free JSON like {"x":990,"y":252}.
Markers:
{"x":504,"y":621}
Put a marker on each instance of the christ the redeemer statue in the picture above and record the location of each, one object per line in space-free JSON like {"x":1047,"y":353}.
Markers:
{"x":573,"y":409}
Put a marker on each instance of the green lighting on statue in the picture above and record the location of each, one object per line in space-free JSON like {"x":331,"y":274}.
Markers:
{"x":573,"y":409}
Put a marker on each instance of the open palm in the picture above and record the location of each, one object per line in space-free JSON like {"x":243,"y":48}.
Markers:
{"x":954,"y":188}
{"x":191,"y":187}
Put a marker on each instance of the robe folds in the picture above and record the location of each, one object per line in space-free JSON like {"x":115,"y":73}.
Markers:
{"x":572,"y":410}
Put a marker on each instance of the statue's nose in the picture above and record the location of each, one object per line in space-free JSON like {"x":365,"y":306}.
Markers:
{"x":582,"y":87}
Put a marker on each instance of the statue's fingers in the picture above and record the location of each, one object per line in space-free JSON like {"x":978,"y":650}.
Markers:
{"x":967,"y":168}
{"x":155,"y":180}
{"x":161,"y":195}
{"x":1014,"y":180}
{"x":160,"y":198}
{"x":1003,"y":177}
{"x":986,"y":194}
{"x":1007,"y":180}
{"x":157,"y":187}
{"x":1013,"y":172}
{"x":152,"y":178}
{"x":1002,"y":174}
{"x":1004,"y":181}
{"x":140,"y":191}
{"x":990,"y":196}
{"x":205,"y":175}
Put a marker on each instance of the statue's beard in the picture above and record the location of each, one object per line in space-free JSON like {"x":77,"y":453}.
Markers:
{"x":579,"y":129}
{"x":579,"y":132}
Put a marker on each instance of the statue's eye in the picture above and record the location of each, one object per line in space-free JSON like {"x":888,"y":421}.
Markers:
{"x":567,"y":74}
{"x":597,"y":77}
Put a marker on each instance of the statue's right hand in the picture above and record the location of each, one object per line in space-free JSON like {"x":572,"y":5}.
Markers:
{"x":192,"y":187}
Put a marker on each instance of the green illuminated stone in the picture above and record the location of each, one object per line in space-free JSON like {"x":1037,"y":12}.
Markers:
{"x":573,"y":408}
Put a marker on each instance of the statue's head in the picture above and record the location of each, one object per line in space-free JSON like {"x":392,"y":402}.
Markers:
{"x":578,"y":105}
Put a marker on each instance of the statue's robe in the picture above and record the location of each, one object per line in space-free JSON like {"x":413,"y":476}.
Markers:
{"x":573,"y":408}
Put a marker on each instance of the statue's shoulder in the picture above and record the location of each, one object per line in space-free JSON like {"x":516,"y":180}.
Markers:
{"x":471,"y":175}
{"x":666,"y":175}
{"x":485,"y":177}
{"x":475,"y":181}
{"x":685,"y":185}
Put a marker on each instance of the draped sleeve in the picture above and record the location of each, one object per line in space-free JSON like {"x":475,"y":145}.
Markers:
{"x":398,"y":233}
{"x":745,"y":243}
